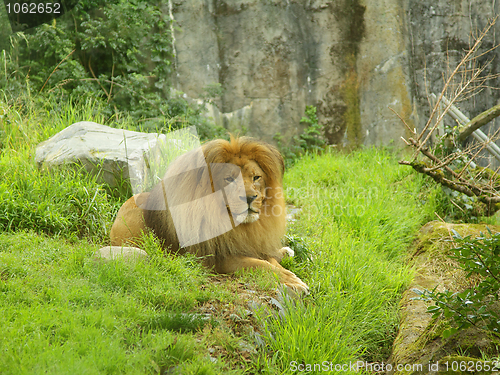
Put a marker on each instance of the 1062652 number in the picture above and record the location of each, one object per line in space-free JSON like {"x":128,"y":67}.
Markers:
{"x":33,"y":8}
{"x":471,"y":366}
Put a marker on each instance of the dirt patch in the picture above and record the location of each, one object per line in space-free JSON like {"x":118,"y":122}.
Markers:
{"x":235,"y":332}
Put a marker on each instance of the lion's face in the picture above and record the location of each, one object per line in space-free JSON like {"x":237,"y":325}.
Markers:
{"x":255,"y":189}
{"x":244,"y":184}
{"x":255,"y":192}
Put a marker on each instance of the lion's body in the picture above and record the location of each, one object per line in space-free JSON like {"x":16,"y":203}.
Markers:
{"x":253,"y":241}
{"x":129,"y":223}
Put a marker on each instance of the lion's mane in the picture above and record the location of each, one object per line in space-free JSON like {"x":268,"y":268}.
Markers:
{"x":260,"y":239}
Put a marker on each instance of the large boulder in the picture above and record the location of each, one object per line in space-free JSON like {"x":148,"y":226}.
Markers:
{"x":103,"y":151}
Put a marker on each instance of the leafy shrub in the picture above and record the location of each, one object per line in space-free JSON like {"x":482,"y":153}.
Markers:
{"x":309,"y":141}
{"x":119,"y":52}
{"x":474,"y":306}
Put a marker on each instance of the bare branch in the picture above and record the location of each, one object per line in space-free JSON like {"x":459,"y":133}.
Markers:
{"x":447,"y":164}
{"x":479,"y":121}
{"x":452,"y":75}
{"x":404,"y":122}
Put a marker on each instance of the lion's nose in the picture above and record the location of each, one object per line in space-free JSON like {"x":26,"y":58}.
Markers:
{"x":250,"y":199}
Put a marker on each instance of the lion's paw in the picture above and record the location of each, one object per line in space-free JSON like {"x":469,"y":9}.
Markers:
{"x":286,"y":251}
{"x":294,"y":283}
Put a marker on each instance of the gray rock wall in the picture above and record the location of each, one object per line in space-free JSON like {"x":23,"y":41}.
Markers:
{"x":352,"y":59}
{"x":442,"y":31}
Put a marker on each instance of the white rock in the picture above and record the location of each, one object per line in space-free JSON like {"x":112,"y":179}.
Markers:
{"x":125,"y":252}
{"x":103,"y":151}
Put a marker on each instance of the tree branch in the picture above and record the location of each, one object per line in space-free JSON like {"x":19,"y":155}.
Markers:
{"x":478,"y":121}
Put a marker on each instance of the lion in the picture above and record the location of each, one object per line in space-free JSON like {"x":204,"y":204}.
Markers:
{"x":223,"y":203}
{"x":129,"y":222}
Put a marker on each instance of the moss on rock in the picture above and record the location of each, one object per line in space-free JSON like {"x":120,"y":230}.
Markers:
{"x":419,"y":340}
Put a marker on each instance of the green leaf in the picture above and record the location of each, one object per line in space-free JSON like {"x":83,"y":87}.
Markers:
{"x":449,"y":331}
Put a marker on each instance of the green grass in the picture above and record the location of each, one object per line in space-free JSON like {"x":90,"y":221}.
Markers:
{"x":61,"y":202}
{"x":63,"y":312}
{"x":359,"y":214}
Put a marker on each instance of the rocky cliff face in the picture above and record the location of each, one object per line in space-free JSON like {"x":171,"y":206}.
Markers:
{"x":352,"y":59}
{"x":439,"y":34}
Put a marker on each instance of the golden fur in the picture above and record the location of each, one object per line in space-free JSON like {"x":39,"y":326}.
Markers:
{"x":260,"y":212}
{"x":129,"y":223}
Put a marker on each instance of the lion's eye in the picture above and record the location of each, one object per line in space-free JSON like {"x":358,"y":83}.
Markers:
{"x":229,"y":179}
{"x":256,"y":178}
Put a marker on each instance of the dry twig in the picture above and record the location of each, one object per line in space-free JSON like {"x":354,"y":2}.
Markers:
{"x":446,"y":163}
